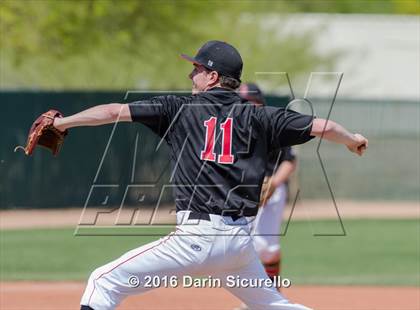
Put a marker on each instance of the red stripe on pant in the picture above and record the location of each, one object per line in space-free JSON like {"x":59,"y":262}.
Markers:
{"x":128,"y":259}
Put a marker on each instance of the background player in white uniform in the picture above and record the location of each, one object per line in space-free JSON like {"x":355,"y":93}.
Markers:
{"x":270,"y":215}
{"x":217,"y":180}
{"x":280,"y":166}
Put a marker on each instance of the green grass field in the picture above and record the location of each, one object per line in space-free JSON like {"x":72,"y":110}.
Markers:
{"x":373,"y":252}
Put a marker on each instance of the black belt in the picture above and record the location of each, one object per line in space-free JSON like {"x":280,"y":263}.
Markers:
{"x":206,"y":216}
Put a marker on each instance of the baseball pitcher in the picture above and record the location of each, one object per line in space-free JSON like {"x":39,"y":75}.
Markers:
{"x":219,"y":148}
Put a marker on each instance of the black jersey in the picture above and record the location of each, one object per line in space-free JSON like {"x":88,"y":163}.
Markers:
{"x":276,"y":157}
{"x":219,"y":146}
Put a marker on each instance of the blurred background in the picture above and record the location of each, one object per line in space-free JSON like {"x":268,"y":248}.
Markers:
{"x":356,"y":61}
{"x":74,"y":54}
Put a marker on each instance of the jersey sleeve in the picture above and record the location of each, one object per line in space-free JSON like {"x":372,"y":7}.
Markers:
{"x":285,"y":127}
{"x":287,"y":154}
{"x":156,"y":113}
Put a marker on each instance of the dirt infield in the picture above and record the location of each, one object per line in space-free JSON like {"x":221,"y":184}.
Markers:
{"x":66,"y":295}
{"x":304,"y":210}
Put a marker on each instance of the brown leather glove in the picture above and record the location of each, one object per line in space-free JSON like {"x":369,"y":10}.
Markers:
{"x":43,"y":133}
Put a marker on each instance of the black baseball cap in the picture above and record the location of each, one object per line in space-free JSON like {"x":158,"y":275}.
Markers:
{"x":220,"y":57}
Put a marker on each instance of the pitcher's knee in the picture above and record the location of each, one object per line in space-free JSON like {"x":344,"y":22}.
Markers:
{"x":98,"y":294}
{"x":94,"y":276}
{"x":102,"y":273}
{"x":101,"y":279}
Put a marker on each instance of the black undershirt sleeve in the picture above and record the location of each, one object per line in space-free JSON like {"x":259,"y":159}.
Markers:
{"x":288,"y":154}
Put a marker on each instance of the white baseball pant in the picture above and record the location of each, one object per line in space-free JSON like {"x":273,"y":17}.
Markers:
{"x":219,"y":248}
{"x":267,"y":225}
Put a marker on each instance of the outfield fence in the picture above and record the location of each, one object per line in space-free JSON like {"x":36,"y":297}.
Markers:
{"x":94,"y":169}
{"x":390,"y":168}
